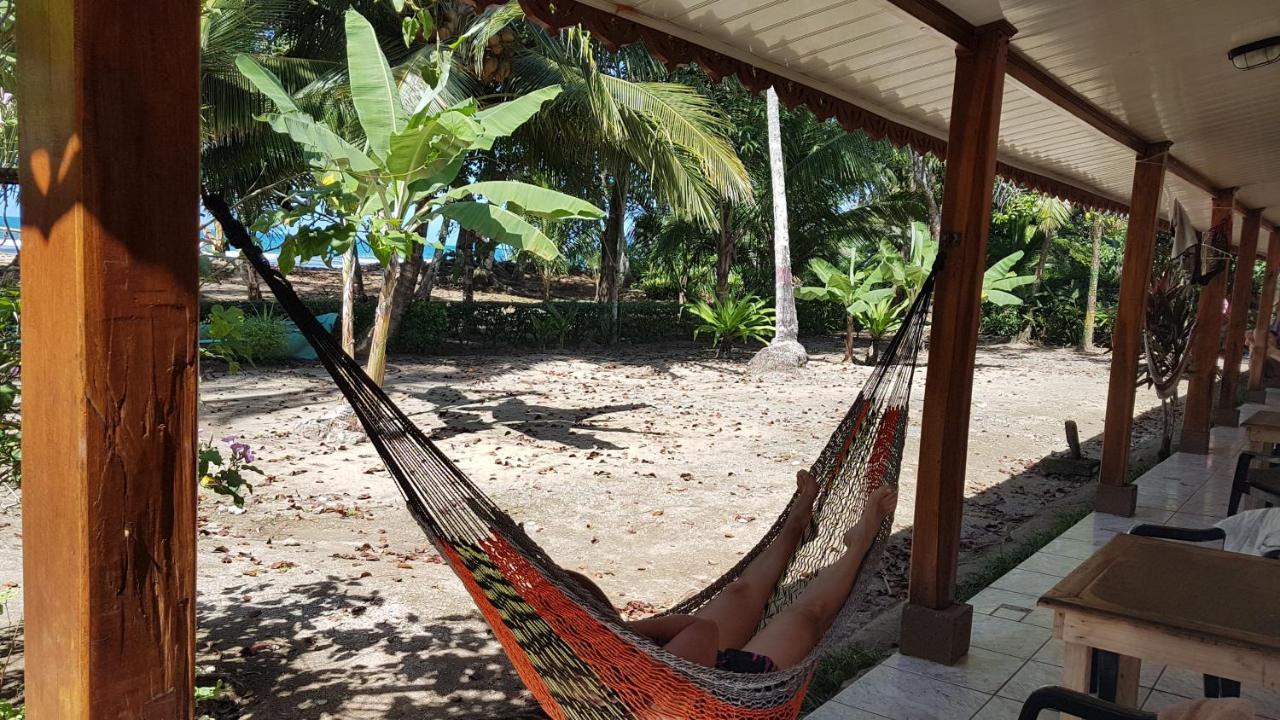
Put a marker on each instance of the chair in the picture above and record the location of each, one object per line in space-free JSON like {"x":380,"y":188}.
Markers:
{"x":1248,"y":479}
{"x":1085,"y":707}
{"x":1090,"y":708}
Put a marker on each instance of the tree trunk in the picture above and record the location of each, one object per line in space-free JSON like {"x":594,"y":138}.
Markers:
{"x":361,"y":293}
{"x":848,"y":339}
{"x":405,"y":285}
{"x":613,"y":241}
{"x":1045,"y":245}
{"x":785,"y":350}
{"x":726,"y":251}
{"x":466,"y":249}
{"x":923,"y":178}
{"x":349,"y":265}
{"x":377,"y":365}
{"x":1091,"y":298}
{"x":428,"y":281}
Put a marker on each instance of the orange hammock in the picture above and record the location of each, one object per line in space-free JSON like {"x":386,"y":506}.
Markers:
{"x":575,"y":655}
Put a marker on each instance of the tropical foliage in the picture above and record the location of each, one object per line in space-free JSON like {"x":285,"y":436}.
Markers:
{"x":732,"y":320}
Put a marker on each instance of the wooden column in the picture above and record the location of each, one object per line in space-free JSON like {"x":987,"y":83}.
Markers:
{"x":110,"y":182}
{"x":1115,"y":494}
{"x":934,"y":626}
{"x":1266,"y":306}
{"x":1233,"y":345}
{"x":1206,"y":342}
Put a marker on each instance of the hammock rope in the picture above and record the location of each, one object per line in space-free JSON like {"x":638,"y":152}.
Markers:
{"x":574,"y":654}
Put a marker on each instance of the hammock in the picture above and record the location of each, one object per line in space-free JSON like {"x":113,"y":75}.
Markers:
{"x":573,"y":653}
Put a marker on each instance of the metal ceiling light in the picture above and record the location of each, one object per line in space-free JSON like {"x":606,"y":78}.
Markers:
{"x":1255,"y":54}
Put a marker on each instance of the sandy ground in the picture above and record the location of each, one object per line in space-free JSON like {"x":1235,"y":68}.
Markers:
{"x":650,"y":468}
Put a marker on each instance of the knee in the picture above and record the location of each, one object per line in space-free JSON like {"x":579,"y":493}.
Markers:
{"x":739,"y":591}
{"x":815,"y":614}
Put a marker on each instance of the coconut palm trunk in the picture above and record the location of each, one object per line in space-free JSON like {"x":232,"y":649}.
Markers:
{"x":785,"y":350}
{"x":1091,"y":299}
{"x":726,"y":251}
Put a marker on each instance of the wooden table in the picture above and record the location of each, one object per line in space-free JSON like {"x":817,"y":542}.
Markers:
{"x":1264,"y":429}
{"x":1206,"y":610}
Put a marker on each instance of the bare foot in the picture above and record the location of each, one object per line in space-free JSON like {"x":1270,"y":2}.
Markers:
{"x":806,"y":485}
{"x":879,"y":506}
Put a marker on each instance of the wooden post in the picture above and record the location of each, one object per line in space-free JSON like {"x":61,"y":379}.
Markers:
{"x":1233,"y":345}
{"x":1115,"y":494}
{"x":934,"y":626}
{"x":110,"y":182}
{"x":1261,"y":331}
{"x":1206,"y":342}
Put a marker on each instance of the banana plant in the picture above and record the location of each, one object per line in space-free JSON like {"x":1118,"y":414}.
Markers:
{"x":382,"y":182}
{"x":999,"y":281}
{"x":854,"y":289}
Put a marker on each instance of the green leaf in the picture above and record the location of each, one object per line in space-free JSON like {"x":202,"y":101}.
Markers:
{"x":1002,"y":268}
{"x":318,"y":138}
{"x":373,"y":88}
{"x":426,"y":149}
{"x":501,"y":225}
{"x":1002,"y":298}
{"x":531,"y":199}
{"x":267,"y":83}
{"x":501,"y":120}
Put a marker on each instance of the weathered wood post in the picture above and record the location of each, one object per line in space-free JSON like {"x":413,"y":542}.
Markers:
{"x":1262,"y":328}
{"x":1206,"y":342}
{"x":1115,"y":494}
{"x":934,"y":625}
{"x":1233,"y":345}
{"x":110,"y":185}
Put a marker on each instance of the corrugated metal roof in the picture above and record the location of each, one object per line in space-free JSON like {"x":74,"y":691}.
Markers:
{"x":1158,"y":67}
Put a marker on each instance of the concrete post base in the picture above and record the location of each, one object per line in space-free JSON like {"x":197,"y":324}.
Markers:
{"x":1119,"y":500}
{"x":941,"y":636}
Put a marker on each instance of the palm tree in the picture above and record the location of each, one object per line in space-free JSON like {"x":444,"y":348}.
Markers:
{"x":785,"y":349}
{"x":1099,"y":223}
{"x":1048,"y":216}
{"x":629,"y":129}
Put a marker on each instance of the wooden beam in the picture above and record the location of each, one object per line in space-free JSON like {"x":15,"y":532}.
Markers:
{"x":1233,"y":345}
{"x":941,"y":18}
{"x":110,"y":181}
{"x":934,"y":626}
{"x":1262,"y":328}
{"x":1205,"y":343}
{"x":1115,"y":494}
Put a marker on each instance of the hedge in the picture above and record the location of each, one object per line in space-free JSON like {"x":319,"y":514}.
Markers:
{"x":433,"y":327}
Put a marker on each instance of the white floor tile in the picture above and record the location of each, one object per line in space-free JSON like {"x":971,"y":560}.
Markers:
{"x":1005,"y":636}
{"x":991,"y":599}
{"x":837,"y":711}
{"x":998,"y":708}
{"x":900,"y":695}
{"x":981,"y":669}
{"x":1026,"y":582}
{"x":1050,"y":564}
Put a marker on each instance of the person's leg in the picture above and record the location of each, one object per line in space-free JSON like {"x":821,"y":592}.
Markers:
{"x":738,"y":609}
{"x":792,"y":633}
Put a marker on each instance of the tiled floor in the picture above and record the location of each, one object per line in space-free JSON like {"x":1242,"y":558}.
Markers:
{"x":1012,"y":651}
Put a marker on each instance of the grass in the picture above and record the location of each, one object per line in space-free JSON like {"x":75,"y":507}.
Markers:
{"x":832,"y":673}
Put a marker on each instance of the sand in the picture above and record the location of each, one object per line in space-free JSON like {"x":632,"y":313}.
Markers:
{"x":650,"y":468}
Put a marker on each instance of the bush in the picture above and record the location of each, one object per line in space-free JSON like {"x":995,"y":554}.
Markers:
{"x":10,"y":387}
{"x":264,"y":335}
{"x":733,"y":320}
{"x":1059,"y":321}
{"x":434,"y":327}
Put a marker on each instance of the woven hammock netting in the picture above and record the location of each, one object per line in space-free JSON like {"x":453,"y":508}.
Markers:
{"x":575,"y":655}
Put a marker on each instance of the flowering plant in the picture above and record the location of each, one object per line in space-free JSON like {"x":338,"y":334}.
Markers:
{"x":224,"y":474}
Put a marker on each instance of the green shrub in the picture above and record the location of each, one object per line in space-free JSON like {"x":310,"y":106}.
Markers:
{"x":264,"y":335}
{"x":10,"y":387}
{"x":1002,"y":322}
{"x":1058,"y":321}
{"x":733,"y":320}
{"x":435,"y":327}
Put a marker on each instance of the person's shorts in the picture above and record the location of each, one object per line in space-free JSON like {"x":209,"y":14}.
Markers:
{"x":741,"y":661}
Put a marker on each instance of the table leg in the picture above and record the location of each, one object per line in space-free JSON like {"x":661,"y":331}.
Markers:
{"x":1127,"y":681}
{"x":1076,"y":665}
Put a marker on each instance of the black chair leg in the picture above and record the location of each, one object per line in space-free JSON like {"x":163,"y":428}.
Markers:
{"x":1106,"y":670}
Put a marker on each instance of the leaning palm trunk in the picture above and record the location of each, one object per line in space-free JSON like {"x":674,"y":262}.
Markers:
{"x":377,"y":365}
{"x":349,"y":264}
{"x":785,"y":350}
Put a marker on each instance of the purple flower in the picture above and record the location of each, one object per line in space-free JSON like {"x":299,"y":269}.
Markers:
{"x":242,"y":451}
